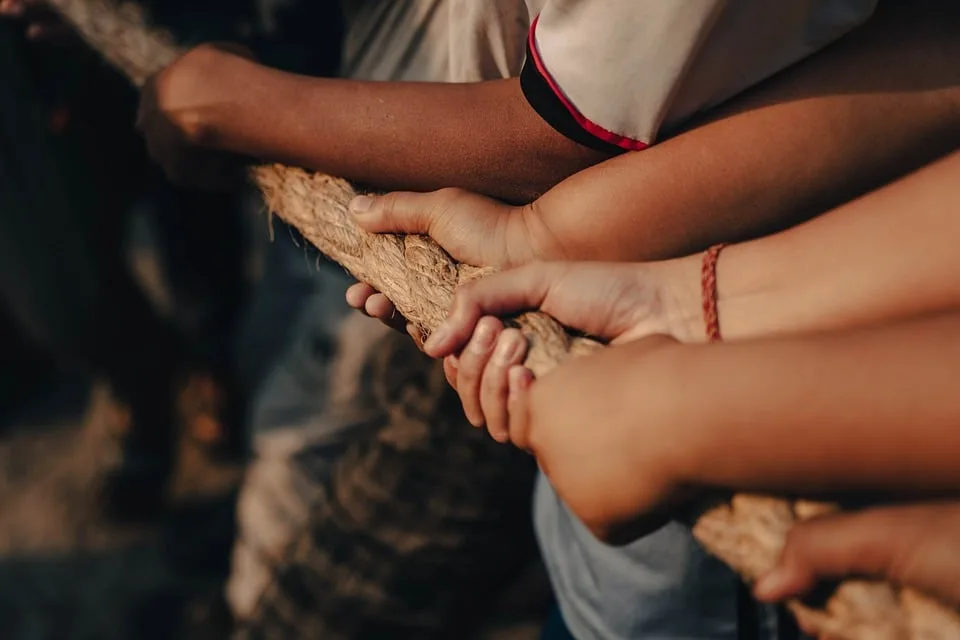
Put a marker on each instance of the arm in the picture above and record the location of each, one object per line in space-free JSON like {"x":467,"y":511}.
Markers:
{"x":883,"y":101}
{"x":869,"y":409}
{"x":383,"y":134}
{"x":886,"y":256}
{"x":595,"y":73}
{"x":889,"y":255}
{"x":913,"y":545}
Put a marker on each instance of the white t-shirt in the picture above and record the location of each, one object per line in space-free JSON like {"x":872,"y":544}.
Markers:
{"x":611,"y":74}
{"x":434,"y":40}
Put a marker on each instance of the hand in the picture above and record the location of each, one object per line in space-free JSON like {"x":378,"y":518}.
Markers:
{"x":43,"y":24}
{"x":471,"y":228}
{"x":602,"y":430}
{"x":615,"y":302}
{"x":914,"y":546}
{"x":176,"y":106}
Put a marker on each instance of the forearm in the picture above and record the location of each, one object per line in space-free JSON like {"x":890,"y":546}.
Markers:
{"x":882,"y":102}
{"x":889,"y":255}
{"x":390,"y":135}
{"x":871,"y":409}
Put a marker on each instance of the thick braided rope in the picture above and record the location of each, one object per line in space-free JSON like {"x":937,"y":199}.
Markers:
{"x":747,"y":533}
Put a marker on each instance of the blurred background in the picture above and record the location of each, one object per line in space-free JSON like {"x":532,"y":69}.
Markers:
{"x":179,"y":376}
{"x":129,"y":339}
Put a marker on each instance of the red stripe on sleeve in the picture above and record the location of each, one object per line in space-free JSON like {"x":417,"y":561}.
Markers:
{"x":588,"y":125}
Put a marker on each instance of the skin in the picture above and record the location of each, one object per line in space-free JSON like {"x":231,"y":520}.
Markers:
{"x":882,"y":102}
{"x":839,"y":391}
{"x":483,"y":137}
{"x":383,"y":134}
{"x":915,"y":545}
{"x":830,"y":547}
{"x":843,"y":419}
{"x":215,"y":108}
{"x":884,"y":257}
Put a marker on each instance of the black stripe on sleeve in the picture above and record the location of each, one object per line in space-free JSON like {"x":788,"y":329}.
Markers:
{"x":548,"y":106}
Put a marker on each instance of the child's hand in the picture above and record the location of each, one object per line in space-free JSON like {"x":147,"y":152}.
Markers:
{"x":175,"y":106}
{"x":602,"y":430}
{"x":913,"y":545}
{"x":471,"y":228}
{"x":42,"y":23}
{"x":615,"y":302}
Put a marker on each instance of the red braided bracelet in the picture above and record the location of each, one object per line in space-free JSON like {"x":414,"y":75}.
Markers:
{"x":708,"y":283}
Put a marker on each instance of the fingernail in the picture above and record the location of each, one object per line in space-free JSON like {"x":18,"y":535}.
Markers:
{"x":483,"y":338}
{"x":501,"y":436}
{"x":507,"y":350}
{"x":770,"y":586}
{"x":361,"y":204}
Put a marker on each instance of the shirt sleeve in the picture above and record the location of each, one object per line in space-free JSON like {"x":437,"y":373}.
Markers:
{"x":610,"y":74}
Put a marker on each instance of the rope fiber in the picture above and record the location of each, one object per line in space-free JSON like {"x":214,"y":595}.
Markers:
{"x":747,"y":532}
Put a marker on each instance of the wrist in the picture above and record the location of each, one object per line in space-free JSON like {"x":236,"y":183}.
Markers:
{"x":680,"y":297}
{"x":222,"y":111}
{"x":528,"y":237}
{"x":749,"y":298}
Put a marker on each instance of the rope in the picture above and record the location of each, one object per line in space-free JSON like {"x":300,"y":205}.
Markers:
{"x":747,"y":532}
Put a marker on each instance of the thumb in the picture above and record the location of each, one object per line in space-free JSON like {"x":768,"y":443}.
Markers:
{"x":829,"y":548}
{"x":400,"y":211}
{"x":499,"y":294}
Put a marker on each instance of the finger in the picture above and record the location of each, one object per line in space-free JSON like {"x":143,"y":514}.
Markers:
{"x":510,"y":350}
{"x":473,"y":361}
{"x":450,"y":370}
{"x":499,"y":294}
{"x":518,"y":406}
{"x":378,"y":306}
{"x":411,"y":330}
{"x":400,"y":211}
{"x":357,"y":295}
{"x":827,"y":548}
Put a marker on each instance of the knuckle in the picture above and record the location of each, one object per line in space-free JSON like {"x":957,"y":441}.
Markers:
{"x":464,"y":300}
{"x":468,"y":374}
{"x":389,"y":205}
{"x":449,"y":193}
{"x":466,"y":291}
{"x":442,"y":206}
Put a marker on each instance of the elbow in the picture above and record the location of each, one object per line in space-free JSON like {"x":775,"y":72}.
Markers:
{"x":545,"y":163}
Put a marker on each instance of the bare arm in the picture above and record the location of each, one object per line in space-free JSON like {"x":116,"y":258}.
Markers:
{"x":883,"y":101}
{"x":866,"y":409}
{"x":480,"y":136}
{"x":889,"y":255}
{"x":886,"y":257}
